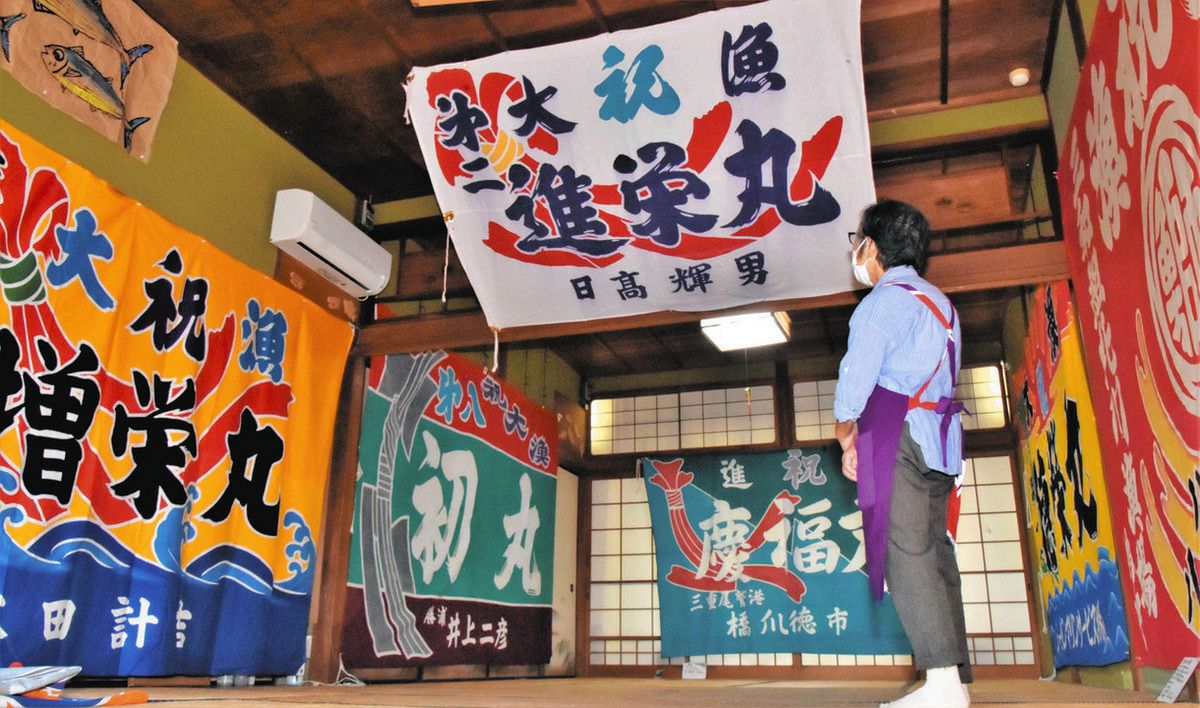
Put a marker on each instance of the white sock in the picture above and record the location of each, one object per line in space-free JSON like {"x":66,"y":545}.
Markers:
{"x":942,"y":689}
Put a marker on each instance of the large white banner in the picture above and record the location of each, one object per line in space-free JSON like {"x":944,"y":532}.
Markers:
{"x":701,"y":164}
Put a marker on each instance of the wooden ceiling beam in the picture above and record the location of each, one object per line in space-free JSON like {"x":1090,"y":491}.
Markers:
{"x":675,"y":360}
{"x":423,"y":277}
{"x":494,"y":31}
{"x":423,"y":271}
{"x":945,"y":58}
{"x":598,"y":12}
{"x":625,"y":365}
{"x":952,"y":272}
{"x":890,"y":10}
{"x":406,"y":143}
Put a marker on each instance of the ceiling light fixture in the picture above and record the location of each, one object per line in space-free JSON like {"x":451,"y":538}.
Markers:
{"x":1018,"y":77}
{"x":758,"y":329}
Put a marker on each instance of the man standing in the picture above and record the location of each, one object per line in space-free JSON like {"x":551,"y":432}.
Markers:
{"x":901,"y":437}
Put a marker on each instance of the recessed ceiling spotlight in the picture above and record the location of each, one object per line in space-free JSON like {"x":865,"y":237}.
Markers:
{"x":1018,"y":77}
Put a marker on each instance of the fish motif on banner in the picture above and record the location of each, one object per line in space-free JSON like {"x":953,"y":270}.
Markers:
{"x":763,"y":553}
{"x":452,"y":553}
{"x":72,"y":53}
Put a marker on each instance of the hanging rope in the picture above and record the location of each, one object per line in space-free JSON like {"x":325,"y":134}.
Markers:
{"x":448,"y":217}
{"x":495,"y":349}
{"x":407,"y":98}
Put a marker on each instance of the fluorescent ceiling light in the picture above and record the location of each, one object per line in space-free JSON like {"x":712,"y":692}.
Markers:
{"x":758,"y":329}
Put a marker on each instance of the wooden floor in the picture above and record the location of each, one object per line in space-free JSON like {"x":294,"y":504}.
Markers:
{"x":530,"y":693}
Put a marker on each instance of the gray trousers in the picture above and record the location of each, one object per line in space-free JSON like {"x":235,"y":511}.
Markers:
{"x":922,"y":572}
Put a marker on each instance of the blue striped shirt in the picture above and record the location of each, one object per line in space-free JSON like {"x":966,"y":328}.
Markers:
{"x":896,"y":341}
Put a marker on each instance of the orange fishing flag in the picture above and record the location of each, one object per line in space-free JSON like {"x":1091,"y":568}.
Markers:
{"x":166,"y":419}
{"x":107,"y":65}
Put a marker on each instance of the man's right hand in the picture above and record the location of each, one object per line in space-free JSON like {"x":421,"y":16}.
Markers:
{"x":847,"y":436}
{"x":850,"y":463}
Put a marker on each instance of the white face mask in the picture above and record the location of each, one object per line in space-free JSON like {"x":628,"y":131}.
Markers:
{"x":860,"y":269}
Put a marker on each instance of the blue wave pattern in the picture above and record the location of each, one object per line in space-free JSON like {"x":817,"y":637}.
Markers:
{"x":1087,"y":618}
{"x":239,"y":621}
{"x":301,"y":554}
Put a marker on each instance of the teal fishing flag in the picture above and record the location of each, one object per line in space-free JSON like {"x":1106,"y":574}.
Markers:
{"x":763,"y":553}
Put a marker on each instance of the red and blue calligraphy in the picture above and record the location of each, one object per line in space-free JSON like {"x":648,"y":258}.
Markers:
{"x":661,"y":191}
{"x":748,"y":63}
{"x":264,"y":332}
{"x":576,"y":228}
{"x":80,"y":246}
{"x":559,"y":216}
{"x":751,"y":267}
{"x":773,"y":151}
{"x":692,"y":278}
{"x":621,"y":101}
{"x":628,"y":287}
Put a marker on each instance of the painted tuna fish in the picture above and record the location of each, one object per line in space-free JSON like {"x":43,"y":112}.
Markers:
{"x":6,"y":24}
{"x":82,"y":78}
{"x":86,"y":17}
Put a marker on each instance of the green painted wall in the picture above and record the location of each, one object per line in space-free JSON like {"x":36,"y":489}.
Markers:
{"x":406,"y":209}
{"x":958,"y":121}
{"x":1064,"y":80}
{"x":1064,"y":73}
{"x":1039,"y":200}
{"x":541,"y":374}
{"x":1088,"y":10}
{"x":213,"y":170}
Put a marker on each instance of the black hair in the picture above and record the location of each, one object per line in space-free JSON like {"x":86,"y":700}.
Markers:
{"x":900,"y":232}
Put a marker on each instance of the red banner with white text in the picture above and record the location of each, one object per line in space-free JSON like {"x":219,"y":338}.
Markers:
{"x":1130,"y":185}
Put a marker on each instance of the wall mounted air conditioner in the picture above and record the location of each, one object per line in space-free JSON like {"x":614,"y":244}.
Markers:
{"x":313,"y":233}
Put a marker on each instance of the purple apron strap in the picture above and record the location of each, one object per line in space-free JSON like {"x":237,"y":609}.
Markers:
{"x":880,"y":427}
{"x":947,"y":406}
